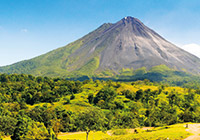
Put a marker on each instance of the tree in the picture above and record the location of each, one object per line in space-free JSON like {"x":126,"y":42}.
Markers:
{"x":29,"y":129}
{"x":7,"y":124}
{"x":106,"y":95}
{"x":91,"y":119}
{"x":52,"y":135}
{"x":72,"y":97}
{"x":90,"y":98}
{"x":139,"y":94}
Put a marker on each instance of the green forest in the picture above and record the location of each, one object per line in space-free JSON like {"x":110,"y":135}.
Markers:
{"x":41,"y":107}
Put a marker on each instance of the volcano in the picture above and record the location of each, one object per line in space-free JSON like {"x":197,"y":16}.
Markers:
{"x":127,"y":44}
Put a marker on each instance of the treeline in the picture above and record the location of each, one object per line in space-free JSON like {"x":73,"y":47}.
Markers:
{"x":41,"y":107}
{"x":160,"y":73}
{"x":30,"y":90}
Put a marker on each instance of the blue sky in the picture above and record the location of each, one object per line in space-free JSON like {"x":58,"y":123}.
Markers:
{"x":29,"y":28}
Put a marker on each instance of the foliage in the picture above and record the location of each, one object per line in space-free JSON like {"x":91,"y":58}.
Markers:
{"x":46,"y":105}
{"x":26,"y":88}
{"x":91,"y":119}
{"x":28,"y":129}
{"x":7,"y":124}
{"x":104,"y":97}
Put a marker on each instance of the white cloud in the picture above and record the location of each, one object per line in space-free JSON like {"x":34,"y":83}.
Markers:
{"x":192,"y":48}
{"x":24,"y":30}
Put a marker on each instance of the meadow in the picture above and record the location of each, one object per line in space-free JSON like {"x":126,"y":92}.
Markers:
{"x":171,"y":132}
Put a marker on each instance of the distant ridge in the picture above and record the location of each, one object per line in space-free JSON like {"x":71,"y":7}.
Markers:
{"x":127,"y":44}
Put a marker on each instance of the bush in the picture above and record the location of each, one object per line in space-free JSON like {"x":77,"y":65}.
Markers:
{"x":66,"y":101}
{"x":90,"y":98}
{"x":72,"y":97}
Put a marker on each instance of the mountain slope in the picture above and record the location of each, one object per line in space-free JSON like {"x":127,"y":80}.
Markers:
{"x":125,"y":44}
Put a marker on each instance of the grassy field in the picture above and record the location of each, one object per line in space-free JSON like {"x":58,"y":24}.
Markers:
{"x":82,"y":135}
{"x":7,"y":138}
{"x":172,"y":132}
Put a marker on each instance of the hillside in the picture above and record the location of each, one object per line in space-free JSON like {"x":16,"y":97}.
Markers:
{"x":48,"y":106}
{"x":106,"y":51}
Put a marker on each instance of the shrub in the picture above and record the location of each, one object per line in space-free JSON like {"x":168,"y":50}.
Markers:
{"x":72,"y":97}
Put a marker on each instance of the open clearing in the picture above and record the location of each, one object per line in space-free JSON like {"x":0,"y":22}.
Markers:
{"x":173,"y":132}
{"x":82,"y":135}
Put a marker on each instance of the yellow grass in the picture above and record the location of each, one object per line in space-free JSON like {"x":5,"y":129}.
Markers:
{"x":82,"y":135}
{"x":173,"y":132}
{"x":7,"y":138}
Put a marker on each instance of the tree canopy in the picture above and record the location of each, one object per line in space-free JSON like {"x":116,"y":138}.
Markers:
{"x":49,"y":106}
